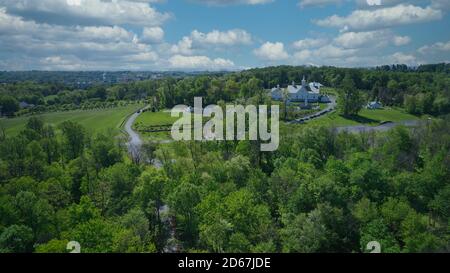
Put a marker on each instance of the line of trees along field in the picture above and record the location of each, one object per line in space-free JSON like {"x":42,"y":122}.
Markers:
{"x":424,"y":90}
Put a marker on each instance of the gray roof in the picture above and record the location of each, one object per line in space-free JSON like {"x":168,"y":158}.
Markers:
{"x":315,"y":87}
{"x":297,"y":88}
{"x":294,"y":88}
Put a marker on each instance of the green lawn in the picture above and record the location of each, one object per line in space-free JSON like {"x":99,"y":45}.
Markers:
{"x":149,"y":118}
{"x":155,"y":119}
{"x":329,"y":91}
{"x":366,"y":117}
{"x":93,"y":120}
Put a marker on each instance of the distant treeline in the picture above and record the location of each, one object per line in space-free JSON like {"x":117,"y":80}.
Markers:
{"x":422,"y":90}
{"x":440,"y":68}
{"x":85,"y":79}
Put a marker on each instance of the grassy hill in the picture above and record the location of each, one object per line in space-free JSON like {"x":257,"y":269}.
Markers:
{"x":93,"y":120}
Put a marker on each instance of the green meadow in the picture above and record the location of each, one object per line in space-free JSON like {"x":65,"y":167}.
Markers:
{"x":94,"y":121}
{"x":150,"y":119}
{"x":154,"y":120}
{"x":365,"y":117}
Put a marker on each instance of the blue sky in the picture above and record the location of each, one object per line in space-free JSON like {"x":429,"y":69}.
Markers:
{"x":220,"y":34}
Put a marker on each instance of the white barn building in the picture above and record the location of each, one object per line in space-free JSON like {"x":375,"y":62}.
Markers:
{"x":373,"y":105}
{"x":302,"y":93}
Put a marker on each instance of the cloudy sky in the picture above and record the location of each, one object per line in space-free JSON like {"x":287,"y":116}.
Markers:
{"x":220,"y":34}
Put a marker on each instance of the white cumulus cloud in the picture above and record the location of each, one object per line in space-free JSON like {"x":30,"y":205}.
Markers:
{"x":440,"y":46}
{"x":376,"y":38}
{"x":199,"y":63}
{"x":116,"y":12}
{"x":382,"y":18}
{"x":152,"y":35}
{"x":233,"y":2}
{"x":271,"y":52}
{"x":212,"y":40}
{"x":226,"y":38}
{"x":309,"y":43}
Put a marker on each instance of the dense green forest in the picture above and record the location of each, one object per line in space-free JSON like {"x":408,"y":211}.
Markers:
{"x":321,"y":191}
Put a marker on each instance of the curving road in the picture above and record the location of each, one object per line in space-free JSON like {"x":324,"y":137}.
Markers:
{"x":134,"y":142}
{"x":358,"y":128}
{"x":380,"y":128}
{"x":330,"y":108}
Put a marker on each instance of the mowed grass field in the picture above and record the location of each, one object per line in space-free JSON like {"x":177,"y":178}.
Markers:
{"x":365,"y":117}
{"x":154,"y":119}
{"x":94,"y":121}
{"x":158,"y":118}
